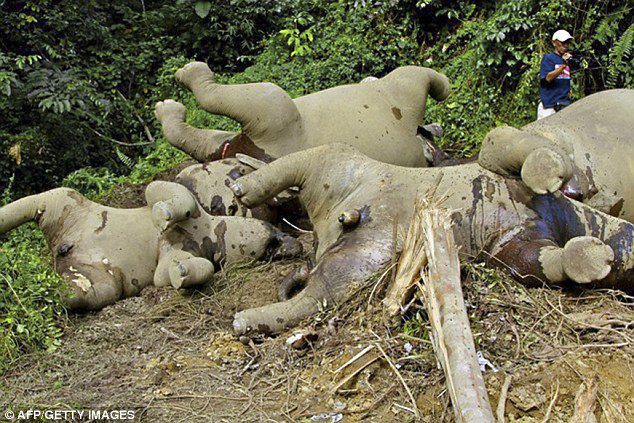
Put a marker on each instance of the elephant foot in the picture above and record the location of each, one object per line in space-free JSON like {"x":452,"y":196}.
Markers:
{"x":193,"y":73}
{"x":544,"y":171}
{"x":292,"y":283}
{"x":190,"y":272}
{"x":170,"y":111}
{"x":162,"y":216}
{"x":587,"y":259}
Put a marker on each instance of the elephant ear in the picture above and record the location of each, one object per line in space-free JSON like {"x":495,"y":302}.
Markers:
{"x":250,"y":161}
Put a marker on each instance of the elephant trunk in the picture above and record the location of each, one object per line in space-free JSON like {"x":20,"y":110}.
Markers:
{"x":52,"y":210}
{"x":352,"y":260}
{"x":24,"y":210}
{"x":274,"y":318}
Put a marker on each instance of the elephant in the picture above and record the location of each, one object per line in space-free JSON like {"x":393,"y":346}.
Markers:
{"x":354,"y":203}
{"x":379,"y":117}
{"x":586,"y":150}
{"x":106,"y":253}
{"x":209,"y":183}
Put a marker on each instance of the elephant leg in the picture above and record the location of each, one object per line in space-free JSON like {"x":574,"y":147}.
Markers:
{"x":257,"y":187}
{"x":263,"y":109}
{"x":543,"y":165}
{"x":411,"y":85}
{"x":572,"y":242}
{"x":181,"y":269}
{"x":302,"y":169}
{"x":171,"y":203}
{"x":202,"y":144}
{"x":582,"y":259}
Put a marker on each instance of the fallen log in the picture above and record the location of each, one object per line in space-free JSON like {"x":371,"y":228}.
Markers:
{"x":429,"y":252}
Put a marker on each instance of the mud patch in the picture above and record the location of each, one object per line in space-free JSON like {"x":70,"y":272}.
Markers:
{"x":129,"y":196}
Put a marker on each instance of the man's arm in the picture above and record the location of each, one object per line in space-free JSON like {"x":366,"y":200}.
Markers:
{"x":554,"y":74}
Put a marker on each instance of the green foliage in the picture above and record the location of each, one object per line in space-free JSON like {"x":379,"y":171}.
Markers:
{"x":30,"y":297}
{"x":30,"y":310}
{"x":91,"y":182}
{"x":83,"y":75}
{"x":298,"y":39}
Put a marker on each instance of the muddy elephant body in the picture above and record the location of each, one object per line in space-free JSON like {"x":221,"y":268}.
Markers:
{"x":354,"y":203}
{"x":107,"y":253}
{"x":380,"y":118}
{"x":586,"y":150}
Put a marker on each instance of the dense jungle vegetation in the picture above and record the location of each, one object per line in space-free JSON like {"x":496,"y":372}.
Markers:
{"x":79,"y":79}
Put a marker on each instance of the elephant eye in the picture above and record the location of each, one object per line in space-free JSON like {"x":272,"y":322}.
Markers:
{"x":64,"y":249}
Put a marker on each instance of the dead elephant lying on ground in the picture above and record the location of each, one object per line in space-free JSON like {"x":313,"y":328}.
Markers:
{"x":107,"y":253}
{"x":380,"y":117}
{"x":354,"y":203}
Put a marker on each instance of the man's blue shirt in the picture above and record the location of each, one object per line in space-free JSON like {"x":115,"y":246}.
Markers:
{"x":558,"y":90}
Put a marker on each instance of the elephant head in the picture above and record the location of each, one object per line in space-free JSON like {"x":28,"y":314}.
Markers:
{"x":107,"y":253}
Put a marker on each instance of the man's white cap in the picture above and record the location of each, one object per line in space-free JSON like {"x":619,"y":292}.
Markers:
{"x":562,"y":35}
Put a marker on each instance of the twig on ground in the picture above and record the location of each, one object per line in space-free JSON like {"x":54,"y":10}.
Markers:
{"x":502,"y":401}
{"x":552,"y":403}
{"x":355,"y":358}
{"x":585,"y":402}
{"x":398,"y":374}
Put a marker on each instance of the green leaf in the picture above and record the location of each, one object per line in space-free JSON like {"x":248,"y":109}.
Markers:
{"x":202,"y":8}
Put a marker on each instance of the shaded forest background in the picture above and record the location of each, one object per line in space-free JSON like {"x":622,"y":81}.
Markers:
{"x":79,"y":80}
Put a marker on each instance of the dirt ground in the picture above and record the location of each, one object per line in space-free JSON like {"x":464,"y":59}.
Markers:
{"x":171,"y":356}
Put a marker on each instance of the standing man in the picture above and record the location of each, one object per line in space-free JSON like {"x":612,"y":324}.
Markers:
{"x":554,"y":75}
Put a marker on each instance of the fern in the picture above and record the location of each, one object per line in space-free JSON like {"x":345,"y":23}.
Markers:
{"x":125,"y":159}
{"x":621,"y":69}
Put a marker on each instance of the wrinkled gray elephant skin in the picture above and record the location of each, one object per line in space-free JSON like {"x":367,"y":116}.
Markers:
{"x":354,"y":203}
{"x":586,"y":150}
{"x":380,"y":118}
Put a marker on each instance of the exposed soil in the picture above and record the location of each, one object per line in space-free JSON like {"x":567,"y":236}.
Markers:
{"x":128,"y":196}
{"x":171,"y":356}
